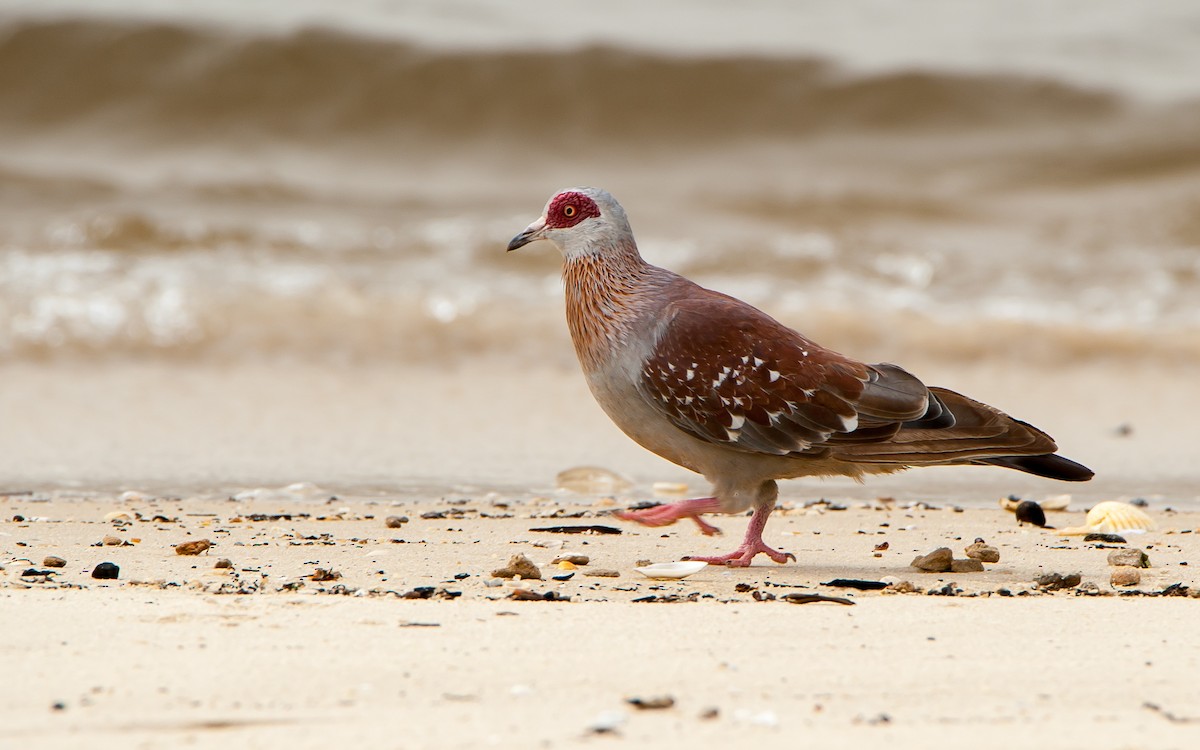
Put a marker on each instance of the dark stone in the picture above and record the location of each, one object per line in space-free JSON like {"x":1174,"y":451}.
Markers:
{"x":1055,"y":581}
{"x":106,"y":571}
{"x":1107,"y":538}
{"x":852,"y":583}
{"x":1030,"y":512}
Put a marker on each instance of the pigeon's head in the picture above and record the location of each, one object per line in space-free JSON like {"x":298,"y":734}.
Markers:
{"x":580,"y":221}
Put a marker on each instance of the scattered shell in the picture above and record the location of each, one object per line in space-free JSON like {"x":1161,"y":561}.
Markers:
{"x":983,"y":552}
{"x":672,"y":570}
{"x":573,"y":559}
{"x":938,"y":561}
{"x":602,"y":573}
{"x":592,"y":480}
{"x":325,"y":574}
{"x":395,"y":522}
{"x":111,"y":541}
{"x":106,"y":571}
{"x":118,"y":515}
{"x":54,"y":562}
{"x":224,"y":562}
{"x":1125,"y":575}
{"x":1030,"y":512}
{"x":519,"y":565}
{"x":1112,"y":516}
{"x":566,"y":565}
{"x":193,"y":548}
{"x":1129,"y":556}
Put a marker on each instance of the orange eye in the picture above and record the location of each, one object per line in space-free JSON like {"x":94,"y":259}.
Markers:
{"x":569,"y":211}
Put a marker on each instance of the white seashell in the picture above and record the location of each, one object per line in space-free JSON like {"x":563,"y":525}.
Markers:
{"x":672,"y":570}
{"x":1113,"y":517}
{"x":1055,"y":502}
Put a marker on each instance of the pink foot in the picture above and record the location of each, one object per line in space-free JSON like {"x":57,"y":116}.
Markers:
{"x":752,"y":545}
{"x":665,"y":515}
{"x":741,"y":557}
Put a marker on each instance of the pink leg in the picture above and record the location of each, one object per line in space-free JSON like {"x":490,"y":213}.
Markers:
{"x":751,"y":545}
{"x":665,"y":515}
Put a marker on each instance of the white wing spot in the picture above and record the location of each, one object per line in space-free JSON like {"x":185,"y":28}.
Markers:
{"x":759,"y":362}
{"x":774,"y":375}
{"x":691,"y":374}
{"x":738,"y":421}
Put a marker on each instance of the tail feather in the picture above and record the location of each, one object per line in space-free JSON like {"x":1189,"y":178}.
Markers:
{"x":1047,"y":465}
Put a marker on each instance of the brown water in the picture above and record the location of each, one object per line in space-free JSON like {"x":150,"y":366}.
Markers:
{"x":194,"y":187}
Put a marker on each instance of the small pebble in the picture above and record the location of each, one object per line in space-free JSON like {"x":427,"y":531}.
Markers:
{"x":54,"y":562}
{"x":602,"y":573}
{"x":983,"y":552}
{"x":111,"y":541}
{"x":1125,"y":575}
{"x":658,"y":702}
{"x":325,"y":574}
{"x":224,"y":562}
{"x":1129,"y":556}
{"x":1106,"y":538}
{"x":106,"y":571}
{"x":193,"y":548}
{"x":395,"y":522}
{"x":1055,"y":581}
{"x":519,"y":565}
{"x":938,"y":561}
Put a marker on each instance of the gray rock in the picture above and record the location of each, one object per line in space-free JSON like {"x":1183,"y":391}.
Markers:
{"x":983,"y":552}
{"x":1125,"y":575}
{"x":54,"y":562}
{"x":1130,"y":556}
{"x":938,"y":561}
{"x":519,"y":565}
{"x":970,"y":565}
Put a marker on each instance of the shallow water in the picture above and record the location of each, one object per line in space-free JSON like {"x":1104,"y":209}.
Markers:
{"x":199,"y":182}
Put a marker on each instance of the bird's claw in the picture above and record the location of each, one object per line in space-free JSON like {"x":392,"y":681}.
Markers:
{"x":742,"y":556}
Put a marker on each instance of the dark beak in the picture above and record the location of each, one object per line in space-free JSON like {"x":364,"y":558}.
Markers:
{"x":531,"y":233}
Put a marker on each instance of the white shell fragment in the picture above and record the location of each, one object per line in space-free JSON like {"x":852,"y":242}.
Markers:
{"x":672,"y":570}
{"x":592,"y":480}
{"x":1113,"y":517}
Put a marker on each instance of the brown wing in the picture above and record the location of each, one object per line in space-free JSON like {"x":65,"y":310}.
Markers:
{"x":726,"y":373}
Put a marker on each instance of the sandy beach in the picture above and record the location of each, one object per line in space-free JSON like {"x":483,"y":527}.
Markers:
{"x":411,"y":642}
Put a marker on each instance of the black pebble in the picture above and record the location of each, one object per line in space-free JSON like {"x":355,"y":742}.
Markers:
{"x":1109,"y":538}
{"x":106,"y":570}
{"x":1030,"y":512}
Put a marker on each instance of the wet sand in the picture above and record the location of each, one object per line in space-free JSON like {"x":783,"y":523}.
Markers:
{"x":178,"y":652}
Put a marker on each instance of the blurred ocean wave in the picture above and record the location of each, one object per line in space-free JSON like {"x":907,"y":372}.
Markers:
{"x":188,"y":189}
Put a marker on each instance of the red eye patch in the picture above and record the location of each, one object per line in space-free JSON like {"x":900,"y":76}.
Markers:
{"x":568,"y":209}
